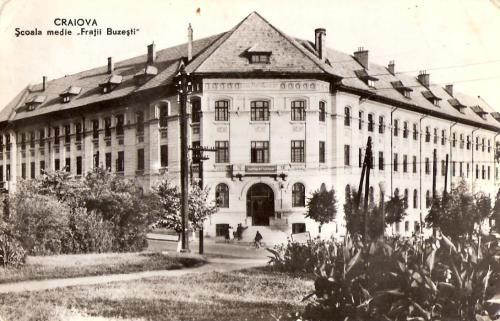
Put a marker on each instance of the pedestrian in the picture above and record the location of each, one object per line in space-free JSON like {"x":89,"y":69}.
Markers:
{"x":257,"y":240}
{"x":239,"y":231}
{"x":230,"y":233}
{"x":226,"y":234}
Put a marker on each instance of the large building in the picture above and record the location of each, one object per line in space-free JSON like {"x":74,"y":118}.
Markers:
{"x":285,"y":116}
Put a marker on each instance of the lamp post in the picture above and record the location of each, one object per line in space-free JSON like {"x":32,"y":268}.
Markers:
{"x":382,"y":203}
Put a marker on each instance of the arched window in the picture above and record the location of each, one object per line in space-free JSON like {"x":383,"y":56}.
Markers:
{"x":221,"y":110}
{"x":298,"y":195}
{"x":347,"y":116}
{"x":322,"y":111}
{"x":415,"y":198}
{"x":406,"y":198}
{"x":381,"y":125}
{"x":222,"y":195}
{"x":427,"y":199}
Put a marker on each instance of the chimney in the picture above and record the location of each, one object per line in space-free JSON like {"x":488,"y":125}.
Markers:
{"x":423,"y":78}
{"x":44,"y":83}
{"x":151,"y":53}
{"x":111,"y":66}
{"x":391,"y":67}
{"x":319,"y":42}
{"x":449,"y":89}
{"x":362,"y":57}
{"x":190,"y":43}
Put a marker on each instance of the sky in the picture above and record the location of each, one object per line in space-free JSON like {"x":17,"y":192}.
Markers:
{"x":456,"y":41}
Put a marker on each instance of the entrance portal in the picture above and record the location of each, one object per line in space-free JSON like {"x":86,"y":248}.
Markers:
{"x":260,"y":204}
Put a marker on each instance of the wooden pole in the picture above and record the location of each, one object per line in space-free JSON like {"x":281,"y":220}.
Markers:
{"x":367,"y":186}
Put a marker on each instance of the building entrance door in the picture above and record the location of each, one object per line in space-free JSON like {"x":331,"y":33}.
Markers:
{"x":260,"y":204}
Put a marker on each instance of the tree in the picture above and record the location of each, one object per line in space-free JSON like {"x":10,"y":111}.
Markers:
{"x":322,"y":207}
{"x":395,"y":210}
{"x":496,"y":212}
{"x":169,"y":200}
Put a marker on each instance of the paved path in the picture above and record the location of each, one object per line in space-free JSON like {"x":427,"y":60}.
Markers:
{"x":212,"y":265}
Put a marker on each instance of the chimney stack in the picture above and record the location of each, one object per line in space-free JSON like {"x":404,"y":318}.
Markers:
{"x":391,"y":67}
{"x":449,"y":89}
{"x":151,"y":53}
{"x":111,"y":66}
{"x":423,"y":78}
{"x":320,"y":42}
{"x":190,"y":43}
{"x":44,"y":83}
{"x":362,"y":57}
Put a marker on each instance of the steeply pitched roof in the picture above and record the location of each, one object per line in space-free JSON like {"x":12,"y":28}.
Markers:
{"x":225,"y":53}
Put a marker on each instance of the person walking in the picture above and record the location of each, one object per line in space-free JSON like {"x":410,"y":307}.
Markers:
{"x":258,"y":240}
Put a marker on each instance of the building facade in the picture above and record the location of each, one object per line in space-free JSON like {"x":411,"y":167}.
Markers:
{"x":285,"y":116}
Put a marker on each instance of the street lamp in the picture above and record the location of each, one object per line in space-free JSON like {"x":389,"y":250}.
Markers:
{"x":381,"y":185}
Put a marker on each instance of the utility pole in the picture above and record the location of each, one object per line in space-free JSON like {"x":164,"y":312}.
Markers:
{"x":368,"y":165}
{"x":183,"y":84}
{"x":445,"y":177}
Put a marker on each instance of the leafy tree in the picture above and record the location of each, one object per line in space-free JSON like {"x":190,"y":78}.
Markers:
{"x":395,"y":210}
{"x":168,"y":213}
{"x":322,"y":206}
{"x":353,"y":214}
{"x":496,"y":212}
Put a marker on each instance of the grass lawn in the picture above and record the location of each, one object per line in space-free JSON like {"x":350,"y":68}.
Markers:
{"x":65,"y":266}
{"x":254,"y":294}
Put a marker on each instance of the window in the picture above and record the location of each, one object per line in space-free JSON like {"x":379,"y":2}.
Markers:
{"x":407,"y":226}
{"x":462,"y":141}
{"x":79,"y":165}
{"x":347,"y":155}
{"x":453,"y":168}
{"x":42,"y":167}
{"x":321,"y":152}
{"x":67,"y":164}
{"x":164,"y":155}
{"x":415,"y":198}
{"x":381,"y":161}
{"x":95,"y":129}
{"x":23,"y":141}
{"x":32,"y":170}
{"x":298,"y":228}
{"x":78,"y":130}
{"x":96,"y":159}
{"x":41,"y":134}
{"x":427,"y":166}
{"x":259,"y":110}
{"x":468,"y":170}
{"x":360,"y":157}
{"x":7,"y":173}
{"x":414,"y":164}
{"x":298,"y":151}
{"x":222,"y":151}
{"x":435,"y":135}
{"x":461,"y":172}
{"x":139,"y":122}
{"x":57,"y":164}
{"x":489,"y":172}
{"x":396,"y":127}
{"x":489,"y":146}
{"x":482,"y":145}
{"x":468,"y":142}
{"x":322,"y":111}
{"x":196,"y":151}
{"x":108,"y":161}
{"x":483,"y":176}
{"x":1,"y":173}
{"x":7,"y":142}
{"x":163,"y":115}
{"x":381,"y":125}
{"x":120,"y":162}
{"x":222,"y":195}
{"x":443,"y":168}
{"x":221,"y":110}
{"x":67,"y":134}
{"x":454,"y":139}
{"x":477,"y":171}
{"x":427,"y":134}
{"x":443,"y":137}
{"x":405,"y":163}
{"x":195,"y":110}
{"x":32,"y":139}
{"x":259,"y":58}
{"x":140,"y":159}
{"x":107,"y":127}
{"x":370,"y":122}
{"x":406,"y":198}
{"x":298,"y":195}
{"x":221,"y":230}
{"x":395,"y":162}
{"x":23,"y":170}
{"x":347,"y":116}
{"x":119,"y":125}
{"x":360,"y":120}
{"x":299,"y":111}
{"x":405,"y":129}
{"x":415,"y":132}
{"x":259,"y":152}
{"x":477,"y":143}
{"x":427,"y":199}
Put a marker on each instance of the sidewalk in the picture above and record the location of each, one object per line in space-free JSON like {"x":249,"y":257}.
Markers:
{"x":212,"y":265}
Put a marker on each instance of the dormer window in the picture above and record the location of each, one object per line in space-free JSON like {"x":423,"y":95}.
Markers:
{"x":258,"y":54}
{"x":34,"y":101}
{"x":110,"y":83}
{"x":429,"y":95}
{"x":69,"y":93}
{"x":146,"y":73}
{"x":480,"y":111}
{"x":366,"y":78}
{"x":457,"y":105}
{"x":403,"y":90}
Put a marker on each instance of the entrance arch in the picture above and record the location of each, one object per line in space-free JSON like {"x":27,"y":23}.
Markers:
{"x":260,"y":204}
